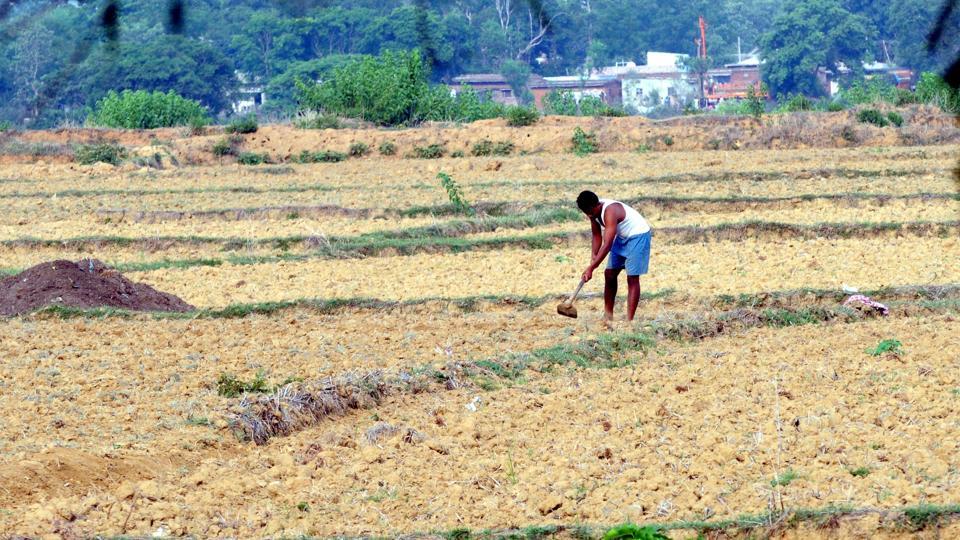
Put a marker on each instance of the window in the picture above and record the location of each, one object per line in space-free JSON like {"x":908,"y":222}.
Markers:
{"x":506,"y":93}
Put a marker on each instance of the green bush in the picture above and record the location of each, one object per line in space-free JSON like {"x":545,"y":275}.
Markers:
{"x":319,"y":121}
{"x":88,"y":154}
{"x":223,"y":147}
{"x":895,"y":118}
{"x":522,"y":116}
{"x":835,"y":106}
{"x":482,"y":148}
{"x":503,"y":148}
{"x":457,"y":154}
{"x":432,"y":151}
{"x":872,"y":116}
{"x":252,"y":158}
{"x":359,"y":149}
{"x":146,"y":110}
{"x":797,"y":103}
{"x":5,"y":125}
{"x":565,"y":103}
{"x":387,"y":148}
{"x":667,"y":140}
{"x":933,"y":90}
{"x":584,"y":142}
{"x":247,"y":124}
{"x":323,"y":156}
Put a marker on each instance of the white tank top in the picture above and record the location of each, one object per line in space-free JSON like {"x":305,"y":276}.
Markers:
{"x":632,"y":224}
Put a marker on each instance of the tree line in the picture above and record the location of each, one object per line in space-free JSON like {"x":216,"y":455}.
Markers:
{"x":59,"y":61}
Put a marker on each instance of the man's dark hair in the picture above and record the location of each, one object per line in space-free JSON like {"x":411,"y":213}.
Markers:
{"x":587,"y":201}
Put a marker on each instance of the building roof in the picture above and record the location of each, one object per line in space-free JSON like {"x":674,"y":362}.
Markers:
{"x":480,"y":78}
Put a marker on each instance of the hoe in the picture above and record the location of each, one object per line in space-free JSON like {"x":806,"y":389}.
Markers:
{"x":567,"y":308}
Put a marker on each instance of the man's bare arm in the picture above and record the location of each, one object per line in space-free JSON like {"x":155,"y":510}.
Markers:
{"x":596,"y":239}
{"x":613,"y":215}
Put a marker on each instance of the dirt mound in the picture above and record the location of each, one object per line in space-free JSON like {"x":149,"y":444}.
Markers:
{"x":84,"y":284}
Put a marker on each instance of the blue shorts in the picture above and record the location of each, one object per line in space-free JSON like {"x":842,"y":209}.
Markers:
{"x":632,"y":254}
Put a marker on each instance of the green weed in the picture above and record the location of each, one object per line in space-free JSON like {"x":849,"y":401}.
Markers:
{"x":247,"y":124}
{"x":359,"y":149}
{"x":455,"y":194}
{"x":88,"y":154}
{"x":860,"y":472}
{"x":784,"y":479}
{"x":887,"y":346}
{"x":629,"y":531}
{"x":230,"y":386}
{"x":584,"y":142}
{"x":387,"y":148}
{"x":431,"y":151}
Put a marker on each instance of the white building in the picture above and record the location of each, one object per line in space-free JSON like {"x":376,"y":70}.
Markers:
{"x":661,"y":82}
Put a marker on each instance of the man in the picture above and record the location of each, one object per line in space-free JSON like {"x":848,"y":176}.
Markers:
{"x":623,"y":233}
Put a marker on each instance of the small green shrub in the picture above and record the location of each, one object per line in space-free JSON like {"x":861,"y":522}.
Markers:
{"x":323,"y":156}
{"x":887,"y":346}
{"x":797,"y":103}
{"x":482,"y":148}
{"x":247,"y":124}
{"x":755,"y":104}
{"x":252,"y":158}
{"x":145,"y":110}
{"x":584,"y":142}
{"x":522,"y":116}
{"x":667,"y":140}
{"x":223,"y":147}
{"x":5,"y":125}
{"x":860,"y":472}
{"x":387,"y":148}
{"x":503,"y":148}
{"x":198,"y":125}
{"x":455,"y":194}
{"x":432,"y":151}
{"x":643,"y":148}
{"x":629,"y":531}
{"x":88,"y":154}
{"x":713,"y":144}
{"x":359,"y":149}
{"x":230,"y":386}
{"x":872,"y":116}
{"x":784,"y":479}
{"x":895,"y":118}
{"x":303,"y":506}
{"x":457,"y":154}
{"x":835,"y":106}
{"x":319,"y":121}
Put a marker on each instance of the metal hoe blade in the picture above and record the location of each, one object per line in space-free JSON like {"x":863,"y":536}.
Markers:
{"x":567,"y":310}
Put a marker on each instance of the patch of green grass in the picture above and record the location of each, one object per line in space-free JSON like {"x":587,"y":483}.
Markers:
{"x":860,"y":472}
{"x":431,"y":151}
{"x":246,"y":124}
{"x":458,"y":534}
{"x":925,"y":515}
{"x":88,"y":154}
{"x":630,"y":531}
{"x":387,"y":148}
{"x":230,"y":386}
{"x":888,"y":346}
{"x":252,"y":158}
{"x":784,"y":479}
{"x":303,"y":506}
{"x":198,"y":421}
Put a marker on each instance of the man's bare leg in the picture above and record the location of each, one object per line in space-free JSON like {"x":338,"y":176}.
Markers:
{"x":633,"y":295}
{"x":609,"y":291}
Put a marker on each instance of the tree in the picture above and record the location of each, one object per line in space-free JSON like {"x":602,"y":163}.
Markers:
{"x":909,"y":23}
{"x":517,"y":74}
{"x":812,"y":34}
{"x":32,"y":62}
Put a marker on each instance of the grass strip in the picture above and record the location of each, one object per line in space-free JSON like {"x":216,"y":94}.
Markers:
{"x":905,"y":519}
{"x":513,"y":208}
{"x":848,"y":173}
{"x":448,"y":237}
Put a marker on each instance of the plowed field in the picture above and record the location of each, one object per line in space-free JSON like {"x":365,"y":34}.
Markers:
{"x":456,"y":398}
